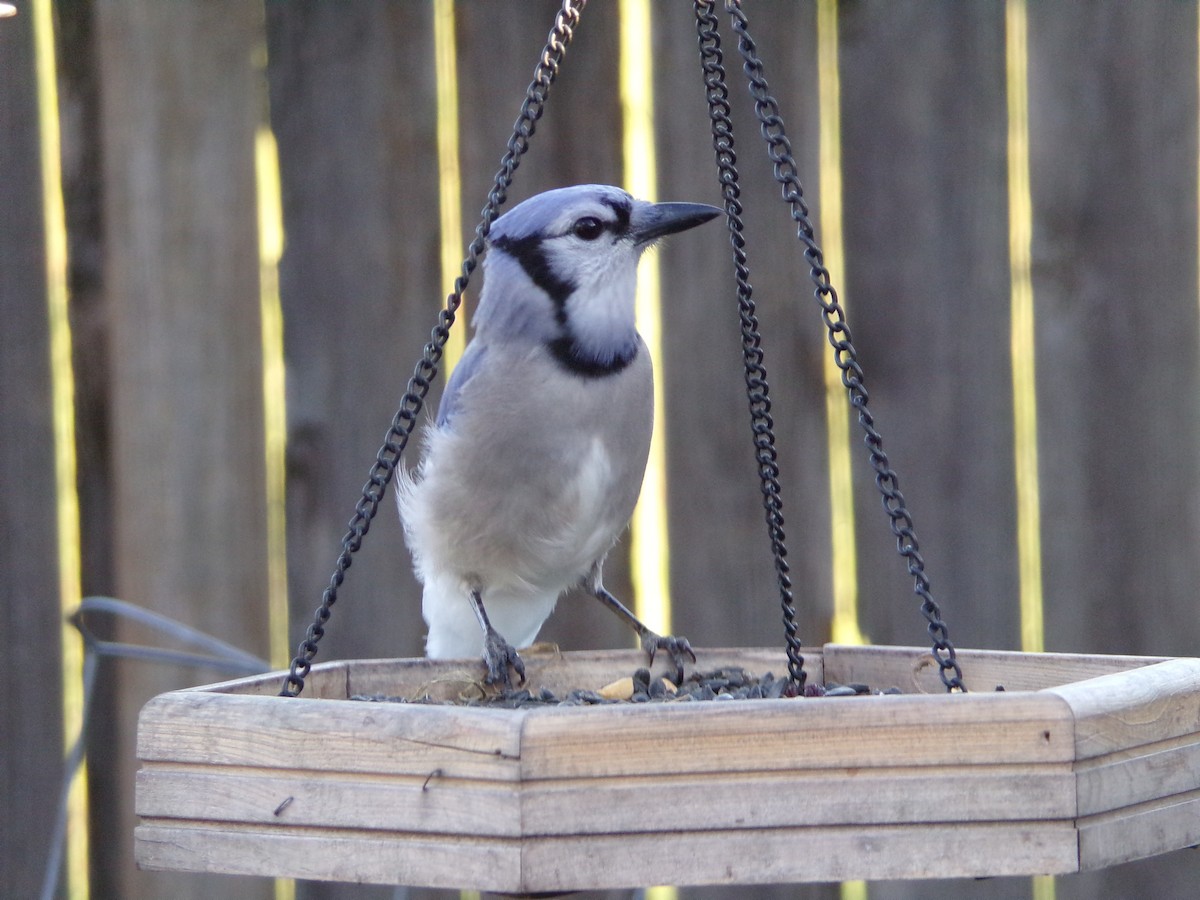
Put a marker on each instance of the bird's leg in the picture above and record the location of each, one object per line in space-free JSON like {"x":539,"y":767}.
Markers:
{"x":676,"y":647}
{"x":498,"y":654}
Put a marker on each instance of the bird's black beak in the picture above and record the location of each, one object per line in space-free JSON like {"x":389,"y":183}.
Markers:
{"x":651,"y":221}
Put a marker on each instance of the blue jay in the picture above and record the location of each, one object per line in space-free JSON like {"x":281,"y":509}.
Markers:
{"x":533,"y":465}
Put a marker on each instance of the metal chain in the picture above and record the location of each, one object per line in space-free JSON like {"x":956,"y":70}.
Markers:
{"x":779,"y":150}
{"x":419,"y":384}
{"x":757,"y":390}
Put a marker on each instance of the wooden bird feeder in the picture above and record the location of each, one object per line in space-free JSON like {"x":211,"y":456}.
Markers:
{"x":1081,"y":762}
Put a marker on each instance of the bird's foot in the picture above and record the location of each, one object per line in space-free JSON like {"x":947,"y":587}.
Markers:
{"x":498,"y":656}
{"x":675,"y":647}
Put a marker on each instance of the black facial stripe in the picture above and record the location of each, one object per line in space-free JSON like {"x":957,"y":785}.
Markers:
{"x":529,"y":253}
{"x":622,"y":210}
{"x":567,"y":352}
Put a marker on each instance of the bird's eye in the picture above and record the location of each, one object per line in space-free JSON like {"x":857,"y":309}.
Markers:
{"x":589,"y":228}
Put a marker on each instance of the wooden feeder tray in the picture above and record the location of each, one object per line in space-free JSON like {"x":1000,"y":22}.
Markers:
{"x":1081,"y":762}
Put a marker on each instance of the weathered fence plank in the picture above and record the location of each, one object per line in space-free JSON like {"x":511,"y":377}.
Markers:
{"x":31,"y":702}
{"x":181,"y":101}
{"x":1113,"y":103}
{"x":353,"y":110}
{"x":927,"y":298}
{"x":1113,"y":123}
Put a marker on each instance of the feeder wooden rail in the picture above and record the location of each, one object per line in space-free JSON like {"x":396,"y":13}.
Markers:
{"x":1082,"y":762}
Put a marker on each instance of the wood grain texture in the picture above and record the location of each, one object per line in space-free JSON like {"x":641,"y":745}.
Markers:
{"x":835,"y":732}
{"x":1142,"y":831}
{"x":1115,"y":712}
{"x":824,"y":854}
{"x":613,"y":861}
{"x":386,"y":738}
{"x":439,"y":802}
{"x":1138,"y":775}
{"x":434,"y":802}
{"x":914,"y":669}
{"x":320,"y":854}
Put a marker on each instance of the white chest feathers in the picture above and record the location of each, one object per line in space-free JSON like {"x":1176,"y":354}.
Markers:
{"x":540,"y":530}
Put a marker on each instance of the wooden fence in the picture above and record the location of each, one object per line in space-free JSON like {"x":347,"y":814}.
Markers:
{"x":160,"y":105}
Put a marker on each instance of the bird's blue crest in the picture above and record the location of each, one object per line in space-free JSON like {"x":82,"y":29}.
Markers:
{"x":553,"y":212}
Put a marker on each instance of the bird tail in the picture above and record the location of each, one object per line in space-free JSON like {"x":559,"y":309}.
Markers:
{"x":454,"y":632}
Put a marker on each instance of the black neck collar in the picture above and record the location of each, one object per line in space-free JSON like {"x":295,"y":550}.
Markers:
{"x":569,"y":354}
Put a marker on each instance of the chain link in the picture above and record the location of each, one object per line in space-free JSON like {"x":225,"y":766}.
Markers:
{"x":419,"y":384}
{"x":757,"y":391}
{"x":779,"y":151}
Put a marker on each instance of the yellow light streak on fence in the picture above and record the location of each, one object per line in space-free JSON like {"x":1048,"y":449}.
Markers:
{"x":62,"y":376}
{"x":445,"y":52}
{"x":270,"y":243}
{"x":1020,"y":238}
{"x":649,"y":549}
{"x":649,"y":546}
{"x":844,"y":626}
{"x":1023,"y":348}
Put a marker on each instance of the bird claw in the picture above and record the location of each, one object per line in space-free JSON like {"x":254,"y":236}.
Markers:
{"x":498,"y":656}
{"x":676,"y":647}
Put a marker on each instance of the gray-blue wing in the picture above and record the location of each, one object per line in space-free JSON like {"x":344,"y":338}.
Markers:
{"x":467,"y":368}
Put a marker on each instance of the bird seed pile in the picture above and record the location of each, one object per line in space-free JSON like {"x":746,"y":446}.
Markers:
{"x":727,"y":684}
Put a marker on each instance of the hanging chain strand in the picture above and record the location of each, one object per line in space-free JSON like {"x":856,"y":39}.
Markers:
{"x":785,"y":170}
{"x":411,"y":404}
{"x":757,"y":391}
